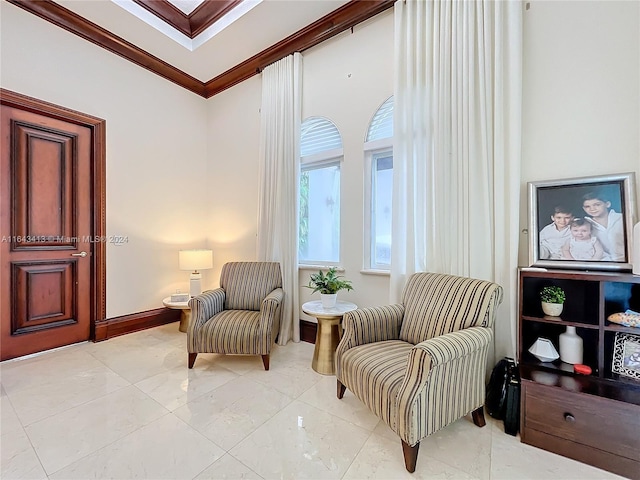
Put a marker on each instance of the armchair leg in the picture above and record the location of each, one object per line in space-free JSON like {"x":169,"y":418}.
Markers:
{"x":340,"y":389}
{"x":478,"y":416}
{"x":410,"y":456}
{"x":192,"y":359}
{"x":265,"y":361}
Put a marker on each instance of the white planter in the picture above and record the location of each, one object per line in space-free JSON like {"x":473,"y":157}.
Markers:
{"x":328,"y":299}
{"x":552,"y":309}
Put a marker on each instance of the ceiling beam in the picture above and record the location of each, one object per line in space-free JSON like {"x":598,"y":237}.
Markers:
{"x":341,"y":19}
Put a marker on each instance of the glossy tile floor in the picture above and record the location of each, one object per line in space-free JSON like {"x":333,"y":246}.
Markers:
{"x":130,"y":408}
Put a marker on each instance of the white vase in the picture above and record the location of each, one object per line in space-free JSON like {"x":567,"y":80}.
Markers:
{"x":328,"y":299}
{"x":552,"y":309}
{"x":570,"y":346}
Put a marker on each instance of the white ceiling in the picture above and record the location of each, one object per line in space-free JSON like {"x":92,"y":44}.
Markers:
{"x":187,"y":6}
{"x":265,"y":24}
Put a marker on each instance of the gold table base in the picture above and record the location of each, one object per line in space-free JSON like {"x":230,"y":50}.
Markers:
{"x":185,"y":318}
{"x":327,"y":338}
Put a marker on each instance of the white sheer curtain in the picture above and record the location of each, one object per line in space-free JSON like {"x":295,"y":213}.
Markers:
{"x":278,"y":172}
{"x":457,"y":124}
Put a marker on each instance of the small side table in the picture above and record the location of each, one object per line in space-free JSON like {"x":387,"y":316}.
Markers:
{"x":328,"y":334}
{"x":185,"y":314}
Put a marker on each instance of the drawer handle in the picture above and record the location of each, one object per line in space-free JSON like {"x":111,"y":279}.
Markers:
{"x":569,"y":418}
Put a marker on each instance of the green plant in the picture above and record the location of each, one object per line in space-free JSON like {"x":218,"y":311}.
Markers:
{"x":328,"y":283}
{"x":552,"y":294}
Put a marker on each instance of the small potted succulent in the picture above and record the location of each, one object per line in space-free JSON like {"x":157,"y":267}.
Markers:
{"x":328,"y":285}
{"x":552,"y":298}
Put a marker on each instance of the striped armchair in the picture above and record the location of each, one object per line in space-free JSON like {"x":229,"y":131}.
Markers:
{"x":240,"y":317}
{"x":420,"y":365}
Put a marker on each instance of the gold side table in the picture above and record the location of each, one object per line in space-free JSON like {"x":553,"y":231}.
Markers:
{"x":328,"y":334}
{"x":185,"y":312}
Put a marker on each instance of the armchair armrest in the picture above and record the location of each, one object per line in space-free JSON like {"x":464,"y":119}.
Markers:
{"x":447,"y":371}
{"x":270,"y":305}
{"x":205,"y":306}
{"x":368,"y":325}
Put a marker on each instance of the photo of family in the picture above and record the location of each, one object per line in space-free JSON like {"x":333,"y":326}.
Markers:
{"x":581,"y":221}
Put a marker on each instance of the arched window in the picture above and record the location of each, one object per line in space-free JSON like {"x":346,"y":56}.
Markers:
{"x":378,"y":183}
{"x":319,"y":221}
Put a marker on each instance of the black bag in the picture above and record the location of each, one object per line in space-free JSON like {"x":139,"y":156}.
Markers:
{"x":512,"y":410}
{"x":501,"y":375}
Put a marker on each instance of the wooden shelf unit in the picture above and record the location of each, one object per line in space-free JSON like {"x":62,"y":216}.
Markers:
{"x":590,"y":418}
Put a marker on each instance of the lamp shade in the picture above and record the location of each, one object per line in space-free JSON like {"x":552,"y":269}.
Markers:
{"x":196,"y":259}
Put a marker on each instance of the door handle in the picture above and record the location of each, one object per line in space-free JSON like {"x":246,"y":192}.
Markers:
{"x":81,"y":254}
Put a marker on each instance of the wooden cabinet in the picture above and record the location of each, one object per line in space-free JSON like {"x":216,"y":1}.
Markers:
{"x":591,"y":418}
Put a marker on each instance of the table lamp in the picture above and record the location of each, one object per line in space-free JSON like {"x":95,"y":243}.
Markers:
{"x":195,"y":260}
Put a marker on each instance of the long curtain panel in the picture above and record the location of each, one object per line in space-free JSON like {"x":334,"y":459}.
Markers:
{"x":278,"y":176}
{"x":457,"y":134}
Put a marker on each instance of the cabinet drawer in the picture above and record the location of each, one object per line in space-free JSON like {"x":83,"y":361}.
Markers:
{"x":598,"y":422}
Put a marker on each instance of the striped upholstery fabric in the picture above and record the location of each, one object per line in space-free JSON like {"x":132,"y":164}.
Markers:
{"x":214,"y":328}
{"x":374,"y":373}
{"x":436,"y":304}
{"x":247,"y":283}
{"x":418,"y":387}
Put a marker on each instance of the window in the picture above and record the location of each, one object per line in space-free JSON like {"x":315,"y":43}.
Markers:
{"x":319,"y":222}
{"x":378,"y":188}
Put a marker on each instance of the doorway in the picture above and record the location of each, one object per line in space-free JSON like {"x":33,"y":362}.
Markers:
{"x":52,"y":225}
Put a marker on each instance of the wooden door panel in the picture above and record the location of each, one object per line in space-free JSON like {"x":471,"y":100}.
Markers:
{"x":44,"y":295}
{"x":44,"y":165}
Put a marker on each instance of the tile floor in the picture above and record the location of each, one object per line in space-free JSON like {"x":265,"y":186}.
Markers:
{"x":130,"y":408}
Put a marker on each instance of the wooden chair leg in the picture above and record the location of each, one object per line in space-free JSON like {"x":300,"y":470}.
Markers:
{"x":340,"y":389}
{"x":478,"y":416}
{"x":265,"y":361}
{"x":192,"y":359}
{"x":410,"y":456}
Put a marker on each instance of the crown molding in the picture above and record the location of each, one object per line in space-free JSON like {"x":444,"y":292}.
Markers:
{"x":196,"y":22}
{"x":341,"y":19}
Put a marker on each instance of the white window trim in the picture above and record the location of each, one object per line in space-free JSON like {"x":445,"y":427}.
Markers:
{"x":322,"y":158}
{"x":372,"y":149}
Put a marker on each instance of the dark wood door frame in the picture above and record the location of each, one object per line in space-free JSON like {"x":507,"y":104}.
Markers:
{"x":97,"y":126}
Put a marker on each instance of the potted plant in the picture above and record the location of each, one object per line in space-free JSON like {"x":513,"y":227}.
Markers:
{"x":552,"y":298}
{"x":328,"y":285}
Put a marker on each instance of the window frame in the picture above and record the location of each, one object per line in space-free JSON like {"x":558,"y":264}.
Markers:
{"x":373,"y":150}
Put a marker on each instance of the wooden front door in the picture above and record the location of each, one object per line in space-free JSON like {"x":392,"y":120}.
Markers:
{"x":48,"y":234}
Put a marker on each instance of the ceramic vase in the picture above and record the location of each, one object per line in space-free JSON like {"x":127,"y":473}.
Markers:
{"x":328,"y":299}
{"x":570,"y":346}
{"x":552,"y":309}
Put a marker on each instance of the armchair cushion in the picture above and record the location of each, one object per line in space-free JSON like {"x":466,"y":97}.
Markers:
{"x":436,"y":304}
{"x":246,"y":284}
{"x":374,"y":372}
{"x":233,"y":331}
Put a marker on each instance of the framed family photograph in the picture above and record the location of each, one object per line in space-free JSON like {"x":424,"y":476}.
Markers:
{"x":626,"y":355}
{"x":582,"y":223}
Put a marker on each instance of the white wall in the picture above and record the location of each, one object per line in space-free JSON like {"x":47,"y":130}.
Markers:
{"x":581,"y":92}
{"x":233,"y":133}
{"x":156,"y":150}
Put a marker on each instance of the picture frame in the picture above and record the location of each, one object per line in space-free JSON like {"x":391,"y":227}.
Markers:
{"x":565,"y":216}
{"x":626,"y":355}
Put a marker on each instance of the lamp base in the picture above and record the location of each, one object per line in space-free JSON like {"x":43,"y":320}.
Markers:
{"x":195,"y":284}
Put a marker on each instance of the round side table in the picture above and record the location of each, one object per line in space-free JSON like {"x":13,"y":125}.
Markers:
{"x":328,"y":334}
{"x":185,"y":314}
